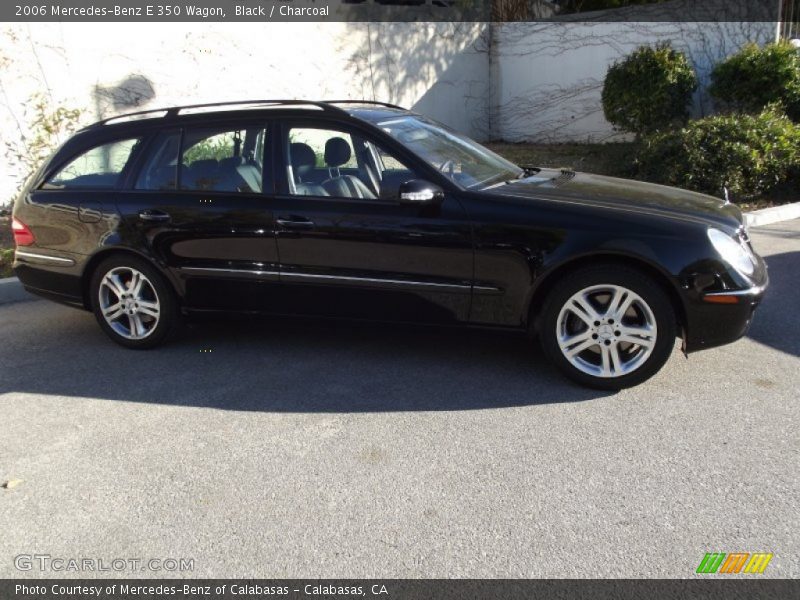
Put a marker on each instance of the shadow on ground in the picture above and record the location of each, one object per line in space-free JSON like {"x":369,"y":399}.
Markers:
{"x":283,"y":366}
{"x":776,"y":323}
{"x":260,"y":364}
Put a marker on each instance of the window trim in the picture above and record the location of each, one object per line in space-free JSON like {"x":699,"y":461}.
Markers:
{"x":141,"y":163}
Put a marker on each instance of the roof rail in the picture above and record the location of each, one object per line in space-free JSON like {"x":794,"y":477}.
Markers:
{"x":173,"y":111}
{"x":375,"y":102}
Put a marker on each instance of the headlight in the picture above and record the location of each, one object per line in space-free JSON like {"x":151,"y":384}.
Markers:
{"x":732,"y":252}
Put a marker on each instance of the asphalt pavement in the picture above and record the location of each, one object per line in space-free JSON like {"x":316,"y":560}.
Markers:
{"x":299,"y":449}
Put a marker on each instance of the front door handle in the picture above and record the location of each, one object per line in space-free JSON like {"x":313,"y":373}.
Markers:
{"x":153,"y":215}
{"x":293,"y":222}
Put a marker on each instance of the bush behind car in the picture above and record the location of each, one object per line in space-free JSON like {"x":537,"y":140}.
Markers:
{"x":755,"y":77}
{"x":749,"y":154}
{"x":649,"y":90}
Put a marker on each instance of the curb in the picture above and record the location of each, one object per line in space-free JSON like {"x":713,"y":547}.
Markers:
{"x":774,"y":214}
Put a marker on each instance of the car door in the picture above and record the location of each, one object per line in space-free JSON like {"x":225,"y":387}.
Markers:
{"x":348,"y":247}
{"x":201,"y":205}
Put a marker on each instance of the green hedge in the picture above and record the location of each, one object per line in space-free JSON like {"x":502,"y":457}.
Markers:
{"x":756,"y":77}
{"x":649,"y":90}
{"x":6,"y":260}
{"x":748,"y":154}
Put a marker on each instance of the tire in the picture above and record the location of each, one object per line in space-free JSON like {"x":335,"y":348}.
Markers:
{"x":138,"y":320}
{"x":582,"y":333}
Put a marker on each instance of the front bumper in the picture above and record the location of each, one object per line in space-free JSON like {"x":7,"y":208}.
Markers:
{"x":719,"y":318}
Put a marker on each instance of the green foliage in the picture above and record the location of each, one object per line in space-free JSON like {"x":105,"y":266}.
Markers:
{"x":649,"y":90}
{"x":748,"y":154}
{"x":755,"y":77}
{"x":217,"y":147}
{"x":6,"y":260}
{"x":46,"y":128}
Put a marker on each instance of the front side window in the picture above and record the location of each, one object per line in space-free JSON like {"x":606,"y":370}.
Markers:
{"x":98,"y":168}
{"x":338,"y":164}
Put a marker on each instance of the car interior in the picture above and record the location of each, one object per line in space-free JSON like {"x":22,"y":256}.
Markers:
{"x":213,"y":160}
{"x":98,"y":168}
{"x":327,"y":163}
{"x":227,"y":161}
{"x":321,"y":163}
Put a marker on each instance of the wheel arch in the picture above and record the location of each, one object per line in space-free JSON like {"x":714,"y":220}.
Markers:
{"x":539,"y":293}
{"x":103,"y":254}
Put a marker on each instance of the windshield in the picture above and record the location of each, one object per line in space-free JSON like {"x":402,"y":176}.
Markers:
{"x":463,"y":160}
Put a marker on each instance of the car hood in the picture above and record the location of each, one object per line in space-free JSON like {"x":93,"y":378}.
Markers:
{"x":621,"y":194}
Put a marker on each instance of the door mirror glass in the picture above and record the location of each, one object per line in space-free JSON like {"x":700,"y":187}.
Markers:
{"x":420,"y":192}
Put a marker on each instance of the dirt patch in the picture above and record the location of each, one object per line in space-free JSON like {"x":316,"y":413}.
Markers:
{"x":603,"y":159}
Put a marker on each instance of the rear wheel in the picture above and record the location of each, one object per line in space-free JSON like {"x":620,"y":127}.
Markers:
{"x":132,"y":302}
{"x":608,"y":327}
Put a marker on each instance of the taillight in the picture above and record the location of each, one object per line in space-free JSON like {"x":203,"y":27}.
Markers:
{"x":22,"y":235}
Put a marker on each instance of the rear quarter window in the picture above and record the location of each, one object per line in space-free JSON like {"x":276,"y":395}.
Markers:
{"x":98,"y":168}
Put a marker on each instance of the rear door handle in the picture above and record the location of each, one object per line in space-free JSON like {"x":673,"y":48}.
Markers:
{"x":293,"y":222}
{"x":153,"y":215}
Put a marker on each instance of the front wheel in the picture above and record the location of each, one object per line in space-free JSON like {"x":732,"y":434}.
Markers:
{"x":132,"y":302}
{"x":608,"y":327}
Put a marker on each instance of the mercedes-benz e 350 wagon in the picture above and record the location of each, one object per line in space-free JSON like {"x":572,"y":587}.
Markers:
{"x":365,"y":210}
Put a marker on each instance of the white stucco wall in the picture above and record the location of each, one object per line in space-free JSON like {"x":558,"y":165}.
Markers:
{"x":519,"y":82}
{"x":547,"y":78}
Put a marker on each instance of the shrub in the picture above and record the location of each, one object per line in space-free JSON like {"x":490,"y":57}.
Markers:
{"x":6,"y":260}
{"x":649,"y":90}
{"x":46,"y":128}
{"x":755,"y":77}
{"x":748,"y":154}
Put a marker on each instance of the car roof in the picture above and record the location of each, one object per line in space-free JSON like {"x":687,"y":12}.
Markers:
{"x":367,"y":110}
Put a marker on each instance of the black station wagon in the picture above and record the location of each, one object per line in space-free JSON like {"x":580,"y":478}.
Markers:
{"x":364,"y":210}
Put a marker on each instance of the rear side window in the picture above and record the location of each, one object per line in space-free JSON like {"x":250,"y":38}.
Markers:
{"x":228,"y":160}
{"x":98,"y":168}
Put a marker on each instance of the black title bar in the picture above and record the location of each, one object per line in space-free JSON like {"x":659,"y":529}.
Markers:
{"x":380,"y":10}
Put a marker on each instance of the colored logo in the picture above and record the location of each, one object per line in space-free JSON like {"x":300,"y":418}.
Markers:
{"x":737,"y":562}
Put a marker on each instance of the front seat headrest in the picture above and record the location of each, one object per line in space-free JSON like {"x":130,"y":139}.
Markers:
{"x":337,"y":152}
{"x":303,"y":158}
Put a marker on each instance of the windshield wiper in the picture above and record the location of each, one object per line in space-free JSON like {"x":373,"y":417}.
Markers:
{"x":528,"y":171}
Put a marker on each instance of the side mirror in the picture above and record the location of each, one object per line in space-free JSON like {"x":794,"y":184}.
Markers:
{"x":420,"y":192}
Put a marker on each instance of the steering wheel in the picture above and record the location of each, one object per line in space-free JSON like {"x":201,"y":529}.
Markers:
{"x":448,"y":167}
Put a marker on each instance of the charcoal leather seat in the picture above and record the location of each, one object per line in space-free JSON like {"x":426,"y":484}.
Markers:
{"x":238,"y":175}
{"x":338,"y":153}
{"x":303,"y":161}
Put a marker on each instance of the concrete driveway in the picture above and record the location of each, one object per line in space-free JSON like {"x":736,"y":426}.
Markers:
{"x":330,"y":450}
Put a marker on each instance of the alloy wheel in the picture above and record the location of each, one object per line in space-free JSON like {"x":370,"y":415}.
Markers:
{"x":606,"y":331}
{"x":129,"y":303}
